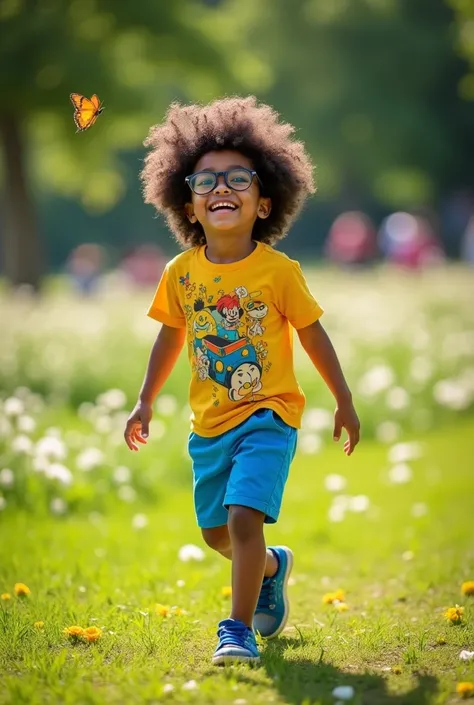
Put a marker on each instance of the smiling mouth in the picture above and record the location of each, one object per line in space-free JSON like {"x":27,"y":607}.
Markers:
{"x":223,"y":206}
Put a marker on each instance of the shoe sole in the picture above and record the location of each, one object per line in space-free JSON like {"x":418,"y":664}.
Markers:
{"x":286,"y":614}
{"x":225,"y":659}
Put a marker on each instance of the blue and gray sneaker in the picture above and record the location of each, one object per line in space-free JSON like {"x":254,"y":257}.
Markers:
{"x":236,"y":643}
{"x":273,"y":607}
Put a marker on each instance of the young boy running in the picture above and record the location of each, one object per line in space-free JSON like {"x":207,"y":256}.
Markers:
{"x":230,"y":178}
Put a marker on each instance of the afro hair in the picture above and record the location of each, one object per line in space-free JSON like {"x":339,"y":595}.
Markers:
{"x":241,"y":124}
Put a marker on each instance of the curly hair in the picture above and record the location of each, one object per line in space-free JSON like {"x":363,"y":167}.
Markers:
{"x":189,"y":132}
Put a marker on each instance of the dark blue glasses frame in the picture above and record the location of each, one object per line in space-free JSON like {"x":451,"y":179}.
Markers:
{"x":215,"y":174}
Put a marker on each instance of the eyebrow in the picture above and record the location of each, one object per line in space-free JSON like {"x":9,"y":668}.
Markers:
{"x":232,"y":166}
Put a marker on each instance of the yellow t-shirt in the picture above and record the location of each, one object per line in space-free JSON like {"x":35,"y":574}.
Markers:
{"x":240,"y":342}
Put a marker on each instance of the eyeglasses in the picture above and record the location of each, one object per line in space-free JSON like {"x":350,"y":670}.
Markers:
{"x":236,"y":179}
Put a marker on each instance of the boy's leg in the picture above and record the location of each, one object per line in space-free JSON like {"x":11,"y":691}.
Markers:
{"x":218,"y":538}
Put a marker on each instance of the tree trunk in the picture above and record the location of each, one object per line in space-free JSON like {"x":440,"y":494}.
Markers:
{"x":22,"y":261}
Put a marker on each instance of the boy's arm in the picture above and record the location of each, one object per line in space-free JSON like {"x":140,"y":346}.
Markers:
{"x":163,"y":357}
{"x":316,"y":343}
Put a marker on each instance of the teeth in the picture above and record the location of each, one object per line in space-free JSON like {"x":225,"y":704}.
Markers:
{"x":223,"y":204}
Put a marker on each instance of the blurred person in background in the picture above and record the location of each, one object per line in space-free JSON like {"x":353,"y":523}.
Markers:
{"x":231,"y":179}
{"x":352,"y":240}
{"x":467,"y":245}
{"x":143,"y":265}
{"x":85,"y":265}
{"x":409,"y":241}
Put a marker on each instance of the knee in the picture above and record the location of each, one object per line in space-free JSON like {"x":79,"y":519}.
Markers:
{"x":217,"y":538}
{"x":244,"y":523}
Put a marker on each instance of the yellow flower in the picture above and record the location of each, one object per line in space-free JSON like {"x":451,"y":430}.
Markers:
{"x":396,"y":669}
{"x":341,"y":606}
{"x":177,"y":611}
{"x":162,"y":610}
{"x":226,"y":591}
{"x":92,"y":633}
{"x":441,"y":641}
{"x":465,"y":689}
{"x":467,"y":588}
{"x":454,"y":614}
{"x":74,"y":632}
{"x":21,"y":590}
{"x":330,"y":597}
{"x":6,"y":596}
{"x":38,"y":625}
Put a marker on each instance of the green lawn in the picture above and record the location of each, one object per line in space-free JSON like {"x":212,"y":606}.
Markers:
{"x":401,"y":561}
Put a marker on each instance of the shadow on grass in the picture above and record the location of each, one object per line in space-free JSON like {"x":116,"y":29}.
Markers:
{"x":301,"y":681}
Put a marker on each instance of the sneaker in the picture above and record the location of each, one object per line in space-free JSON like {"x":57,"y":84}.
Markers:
{"x":273,"y":607}
{"x":236,"y":643}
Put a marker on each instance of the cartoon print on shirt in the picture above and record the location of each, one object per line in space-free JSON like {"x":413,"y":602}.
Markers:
{"x":220,"y":337}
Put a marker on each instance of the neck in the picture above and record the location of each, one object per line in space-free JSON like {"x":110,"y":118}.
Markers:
{"x":227,"y":249}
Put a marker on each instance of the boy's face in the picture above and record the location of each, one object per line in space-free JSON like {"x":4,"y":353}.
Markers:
{"x":249,"y":205}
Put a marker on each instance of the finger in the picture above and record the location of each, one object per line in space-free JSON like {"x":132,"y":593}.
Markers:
{"x":145,"y":432}
{"x":337,"y":427}
{"x":129,"y":442}
{"x":138,"y":437}
{"x":129,"y":435}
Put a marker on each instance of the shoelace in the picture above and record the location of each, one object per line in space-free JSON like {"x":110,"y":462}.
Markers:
{"x":232,"y":634}
{"x":267,"y":595}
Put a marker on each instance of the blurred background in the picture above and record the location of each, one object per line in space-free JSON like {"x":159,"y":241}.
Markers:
{"x":381,"y":92}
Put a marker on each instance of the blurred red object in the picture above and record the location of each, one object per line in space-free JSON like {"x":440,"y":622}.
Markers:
{"x":352,"y":239}
{"x":410,"y":241}
{"x":144,"y":265}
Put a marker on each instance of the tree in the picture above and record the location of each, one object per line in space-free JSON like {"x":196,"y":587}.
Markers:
{"x":133,"y":55}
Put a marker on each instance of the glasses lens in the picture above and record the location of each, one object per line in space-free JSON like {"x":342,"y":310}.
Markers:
{"x":203,"y":182}
{"x":239,"y":179}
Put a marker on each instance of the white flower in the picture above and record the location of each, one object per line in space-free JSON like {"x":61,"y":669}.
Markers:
{"x":344,"y":692}
{"x":51,"y":447}
{"x":3,"y":503}
{"x":310,"y":443}
{"x":56,"y":471}
{"x":5,"y":427}
{"x":400,"y":474}
{"x":7,"y":478}
{"x":359,"y":503}
{"x":408,"y":555}
{"x":127,"y":493}
{"x":452,"y":393}
{"x":190,"y":552}
{"x":401,"y":452}
{"x":167,"y":405}
{"x":190,"y":685}
{"x":139,"y":521}
{"x":13,"y":407}
{"x":103,"y":424}
{"x":89,"y":459}
{"x":180,"y":583}
{"x":419,"y":509}
{"x":168,"y":688}
{"x":122,"y":474}
{"x":58,"y":506}
{"x":26,"y":424}
{"x":317,"y":419}
{"x":377,"y":379}
{"x":113,"y":399}
{"x":466,"y":655}
{"x":22,"y":444}
{"x":334,"y":483}
{"x":336,"y":513}
{"x":397,"y":398}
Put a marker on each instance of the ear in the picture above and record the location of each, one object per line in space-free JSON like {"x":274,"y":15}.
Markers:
{"x":189,"y":210}
{"x":264,"y":208}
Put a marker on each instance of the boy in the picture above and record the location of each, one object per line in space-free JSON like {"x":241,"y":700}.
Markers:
{"x":230,"y":179}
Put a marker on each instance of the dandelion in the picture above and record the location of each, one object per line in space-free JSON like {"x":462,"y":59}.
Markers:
{"x":466,"y":655}
{"x":335,"y":483}
{"x":38,"y":625}
{"x":454,"y":614}
{"x":7,"y":477}
{"x":178,"y":611}
{"x":74,"y":633}
{"x":5,"y":596}
{"x":441,"y":641}
{"x":168,"y":688}
{"x":190,"y":552}
{"x":396,"y":669}
{"x":162,"y":610}
{"x":400,"y":474}
{"x":465,"y":689}
{"x":190,"y":685}
{"x":330,"y":597}
{"x":467,"y":588}
{"x":226,"y":591}
{"x":139,"y":521}
{"x":92,"y":634}
{"x":21,"y":590}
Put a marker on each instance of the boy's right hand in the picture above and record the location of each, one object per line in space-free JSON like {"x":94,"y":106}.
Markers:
{"x":138,"y":423}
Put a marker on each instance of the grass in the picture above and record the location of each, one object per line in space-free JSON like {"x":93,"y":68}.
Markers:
{"x":400,"y":572}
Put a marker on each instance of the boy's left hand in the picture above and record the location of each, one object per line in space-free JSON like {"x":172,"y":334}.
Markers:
{"x":345,"y":417}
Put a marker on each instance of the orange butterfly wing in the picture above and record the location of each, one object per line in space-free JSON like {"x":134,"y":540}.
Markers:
{"x":86,"y":111}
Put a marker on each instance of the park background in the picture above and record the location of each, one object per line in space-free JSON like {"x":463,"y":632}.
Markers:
{"x":382,"y":94}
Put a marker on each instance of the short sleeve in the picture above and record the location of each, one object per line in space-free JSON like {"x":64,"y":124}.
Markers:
{"x":296,"y":302}
{"x":166,"y":307}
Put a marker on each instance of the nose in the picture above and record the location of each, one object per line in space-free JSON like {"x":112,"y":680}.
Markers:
{"x":221,"y":186}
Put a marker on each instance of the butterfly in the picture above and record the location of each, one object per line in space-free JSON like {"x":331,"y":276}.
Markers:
{"x":86,"y":111}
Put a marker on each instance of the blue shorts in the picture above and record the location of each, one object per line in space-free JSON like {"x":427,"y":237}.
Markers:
{"x":247,"y":465}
